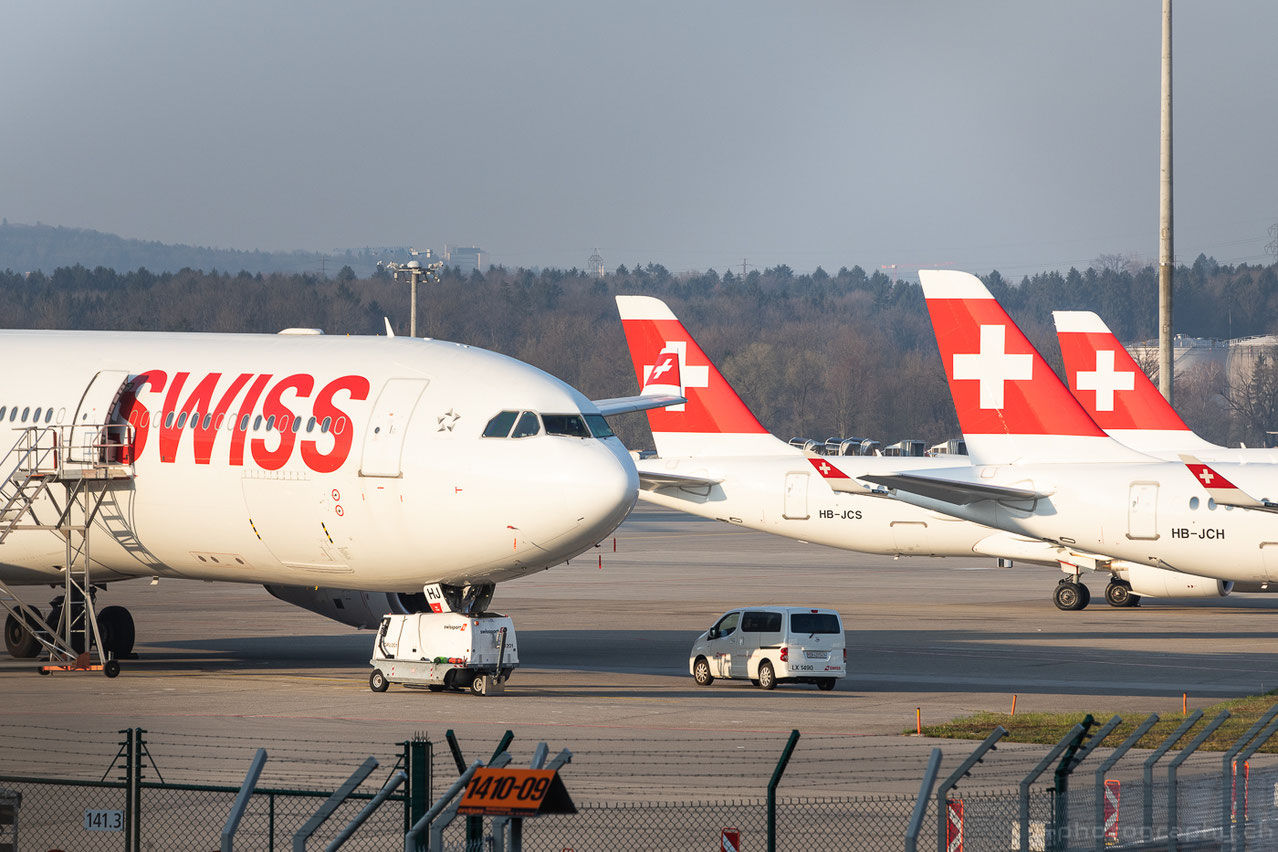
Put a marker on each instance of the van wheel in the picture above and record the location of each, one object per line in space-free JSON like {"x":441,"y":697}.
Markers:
{"x":701,"y":672}
{"x":477,"y":684}
{"x":377,"y":681}
{"x":826,"y":683}
{"x":767,"y":677}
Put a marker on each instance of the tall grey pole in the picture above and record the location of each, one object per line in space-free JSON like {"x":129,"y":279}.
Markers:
{"x":1166,"y":259}
{"x":412,"y":308}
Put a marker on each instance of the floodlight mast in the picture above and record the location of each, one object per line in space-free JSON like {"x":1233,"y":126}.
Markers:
{"x":415,"y":271}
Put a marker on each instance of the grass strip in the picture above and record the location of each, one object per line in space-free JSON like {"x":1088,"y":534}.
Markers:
{"x":1048,"y":728}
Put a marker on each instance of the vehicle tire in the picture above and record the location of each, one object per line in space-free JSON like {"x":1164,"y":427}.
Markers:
{"x":111,"y":668}
{"x":767,"y":677}
{"x":701,"y":672}
{"x":754,"y":681}
{"x":118,"y":632}
{"x":19,"y":638}
{"x":825,"y":684}
{"x":1119,"y":593}
{"x":1069,"y":596}
{"x":377,"y":681}
{"x":436,"y":687}
{"x":477,"y":685}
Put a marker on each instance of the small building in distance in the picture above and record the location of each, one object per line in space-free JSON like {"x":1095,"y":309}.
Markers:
{"x":465,"y":258}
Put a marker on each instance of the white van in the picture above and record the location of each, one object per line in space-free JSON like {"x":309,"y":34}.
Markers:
{"x":771,"y":645}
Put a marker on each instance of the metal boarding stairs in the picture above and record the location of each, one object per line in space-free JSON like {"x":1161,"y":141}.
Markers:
{"x":88,"y":462}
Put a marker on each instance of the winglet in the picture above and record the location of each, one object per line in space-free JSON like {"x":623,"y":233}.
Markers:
{"x":1221,"y":489}
{"x":390,"y":332}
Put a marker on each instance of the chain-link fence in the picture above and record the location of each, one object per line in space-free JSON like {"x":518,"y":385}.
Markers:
{"x":1190,"y":800}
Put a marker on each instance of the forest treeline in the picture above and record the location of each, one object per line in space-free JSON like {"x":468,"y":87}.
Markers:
{"x":817,"y":355}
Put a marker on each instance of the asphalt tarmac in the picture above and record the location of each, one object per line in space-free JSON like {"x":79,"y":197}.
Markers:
{"x":604,"y":653}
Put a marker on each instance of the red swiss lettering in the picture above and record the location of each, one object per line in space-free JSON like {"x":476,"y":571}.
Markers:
{"x":275,"y":407}
{"x":135,"y":412}
{"x":175,"y":416}
{"x":242,"y":423}
{"x":357,"y":387}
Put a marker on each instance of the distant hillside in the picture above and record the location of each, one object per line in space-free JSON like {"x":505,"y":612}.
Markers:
{"x":27,"y":248}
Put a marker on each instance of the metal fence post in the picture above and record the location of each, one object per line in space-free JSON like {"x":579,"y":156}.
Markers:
{"x":331,"y":804}
{"x":126,"y":748}
{"x":1147,"y":821}
{"x":417,"y":794}
{"x":1173,"y":818}
{"x":1227,"y":769}
{"x":1072,"y":738}
{"x":1240,"y":773}
{"x":376,"y":802}
{"x":920,"y":804}
{"x":772,"y":788}
{"x":138,"y":746}
{"x":1110,"y":762}
{"x":412,"y":840}
{"x":241,"y":801}
{"x":942,"y":794}
{"x":1060,"y":779}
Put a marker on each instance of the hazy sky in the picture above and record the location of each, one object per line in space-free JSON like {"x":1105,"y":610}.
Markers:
{"x":1012,"y":135}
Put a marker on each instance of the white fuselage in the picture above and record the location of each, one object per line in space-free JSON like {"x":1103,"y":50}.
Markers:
{"x":1153,"y":514}
{"x":379,"y":481}
{"x":782,"y":494}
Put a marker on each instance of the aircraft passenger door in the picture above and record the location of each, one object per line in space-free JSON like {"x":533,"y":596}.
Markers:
{"x":1142,"y":510}
{"x":1269,"y":559}
{"x":94,"y":412}
{"x":387,"y":426}
{"x":796,"y":497}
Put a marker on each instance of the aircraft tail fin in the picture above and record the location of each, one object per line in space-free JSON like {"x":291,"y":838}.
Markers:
{"x":714,"y":421}
{"x":1011,"y":406}
{"x":1113,"y":388}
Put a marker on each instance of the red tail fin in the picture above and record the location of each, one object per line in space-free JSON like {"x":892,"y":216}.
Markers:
{"x":714,"y":421}
{"x":1010,"y":404}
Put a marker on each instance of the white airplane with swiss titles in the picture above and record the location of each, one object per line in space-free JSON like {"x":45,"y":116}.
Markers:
{"x":716,"y":460}
{"x":1041,"y":467}
{"x":348,"y":475}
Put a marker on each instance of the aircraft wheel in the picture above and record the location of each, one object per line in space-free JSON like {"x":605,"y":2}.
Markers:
{"x":1087,"y":595}
{"x":701,"y":672}
{"x":118,"y":632}
{"x":19,"y":638}
{"x":377,"y":681}
{"x":1119,"y":593}
{"x":767,"y":677}
{"x":826,"y":683}
{"x":1070,"y":596}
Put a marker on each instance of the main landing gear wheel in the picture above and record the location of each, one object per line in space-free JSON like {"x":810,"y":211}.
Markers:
{"x":377,"y":681}
{"x":116,"y":626}
{"x":767,"y":677}
{"x":701,"y":672}
{"x":1119,"y":593}
{"x":1071,"y":595}
{"x":19,"y":637}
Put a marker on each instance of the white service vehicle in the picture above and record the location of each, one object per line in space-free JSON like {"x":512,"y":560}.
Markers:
{"x":771,"y":645}
{"x":444,"y":650}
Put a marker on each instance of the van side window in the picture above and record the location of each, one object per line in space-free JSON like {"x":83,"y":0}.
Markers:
{"x":814,"y":622}
{"x":728,"y":624}
{"x":761,"y":622}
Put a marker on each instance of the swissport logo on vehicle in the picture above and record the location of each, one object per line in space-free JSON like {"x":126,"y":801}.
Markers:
{"x":194,"y":407}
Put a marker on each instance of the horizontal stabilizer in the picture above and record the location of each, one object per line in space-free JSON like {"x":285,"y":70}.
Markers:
{"x":960,"y":493}
{"x":643,"y":402}
{"x":651,"y":481}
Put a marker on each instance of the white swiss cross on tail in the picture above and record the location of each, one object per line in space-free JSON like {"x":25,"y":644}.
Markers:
{"x":672,"y":368}
{"x":1105,"y":380}
{"x":992,"y":366}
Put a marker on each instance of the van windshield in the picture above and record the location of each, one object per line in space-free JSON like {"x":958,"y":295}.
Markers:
{"x":814,"y":622}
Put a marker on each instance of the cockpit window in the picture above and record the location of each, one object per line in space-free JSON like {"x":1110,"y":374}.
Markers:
{"x":499,"y":426}
{"x":528,"y":425}
{"x":565,"y":424}
{"x":598,"y":426}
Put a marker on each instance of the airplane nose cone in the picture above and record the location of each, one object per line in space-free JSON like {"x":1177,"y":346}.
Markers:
{"x":597,"y":489}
